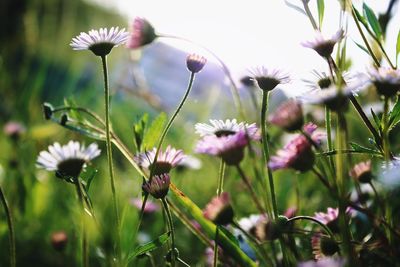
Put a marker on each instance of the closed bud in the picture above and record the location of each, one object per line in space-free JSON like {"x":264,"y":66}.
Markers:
{"x":195,"y":63}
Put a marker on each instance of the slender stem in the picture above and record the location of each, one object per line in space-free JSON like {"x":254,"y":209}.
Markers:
{"x":321,"y":178}
{"x":371,"y":53}
{"x":309,"y":15}
{"x":328,"y":125}
{"x":234,"y":88}
{"x":10,"y":227}
{"x":221,"y":173}
{"x":171,"y":229}
{"x":264,"y":108}
{"x":109,"y":152}
{"x":379,"y":200}
{"x":385,"y":130}
{"x":85,"y":256}
{"x":184,"y":263}
{"x":312,"y":219}
{"x":215,"y":259}
{"x":251,"y":190}
{"x":171,"y":120}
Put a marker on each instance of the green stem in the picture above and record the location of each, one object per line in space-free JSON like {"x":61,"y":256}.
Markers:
{"x":312,"y":219}
{"x":264,"y":108}
{"x":221,"y":173}
{"x":85,"y":256}
{"x":309,"y":15}
{"x":215,"y":259}
{"x":171,"y":229}
{"x":328,"y":125}
{"x":109,"y":153}
{"x":171,"y":120}
{"x":385,"y":130}
{"x":251,"y":190}
{"x":10,"y":227}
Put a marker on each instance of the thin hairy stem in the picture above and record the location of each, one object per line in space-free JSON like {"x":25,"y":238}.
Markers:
{"x":10,"y":224}
{"x":250,"y":188}
{"x":172,"y":231}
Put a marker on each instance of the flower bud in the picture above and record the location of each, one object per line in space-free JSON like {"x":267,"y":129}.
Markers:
{"x":195,"y":63}
{"x":157,"y":186}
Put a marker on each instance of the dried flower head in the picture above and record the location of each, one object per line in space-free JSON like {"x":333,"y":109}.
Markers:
{"x":288,"y":116}
{"x":362,"y":172}
{"x":267,"y":80}
{"x":323,"y":246}
{"x":230,"y":148}
{"x":195,"y":63}
{"x":386,"y":80}
{"x":142,"y":33}
{"x":219,"y":210}
{"x":166,"y":160}
{"x":14,"y":129}
{"x":59,"y":240}
{"x":68,"y":160}
{"x":101,"y":41}
{"x":324,"y":47}
{"x":157,"y":186}
{"x":297,"y":154}
{"x":221,"y":128}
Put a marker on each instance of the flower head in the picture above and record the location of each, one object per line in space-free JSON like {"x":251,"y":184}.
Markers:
{"x":14,"y":129}
{"x":221,"y":128}
{"x":386,"y":80}
{"x":288,"y":116}
{"x":249,"y":224}
{"x":68,"y":160}
{"x":101,"y":41}
{"x":362,"y":172}
{"x":324,"y":47}
{"x":150,"y":205}
{"x":230,"y":148}
{"x":322,"y":81}
{"x":267,"y":229}
{"x":189,"y":162}
{"x":323,"y":246}
{"x":166,"y":160}
{"x":143,"y":33}
{"x":157,"y":186}
{"x":330,"y":218}
{"x":267,"y":80}
{"x":326,"y":262}
{"x":297,"y":154}
{"x":59,"y":240}
{"x":219,"y":210}
{"x":195,"y":63}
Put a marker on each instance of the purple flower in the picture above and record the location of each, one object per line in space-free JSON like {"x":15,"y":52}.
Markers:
{"x":297,"y":154}
{"x":386,"y":80}
{"x":268,"y":79}
{"x":219,"y":210}
{"x":326,"y":262}
{"x":323,"y":46}
{"x":150,"y":205}
{"x":330,"y":218}
{"x":165,"y":160}
{"x":157,"y":186}
{"x":228,"y":127}
{"x":195,"y":63}
{"x":142,"y":34}
{"x":14,"y":129}
{"x":230,"y":148}
{"x":323,"y":246}
{"x":288,"y":116}
{"x":101,"y":41}
{"x":362,"y":172}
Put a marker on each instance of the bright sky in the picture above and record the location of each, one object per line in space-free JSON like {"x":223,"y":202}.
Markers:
{"x":252,"y":32}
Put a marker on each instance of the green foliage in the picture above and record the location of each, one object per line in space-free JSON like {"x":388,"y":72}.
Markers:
{"x":372,"y":21}
{"x":321,"y":10}
{"x":150,"y":246}
{"x":153,"y":133}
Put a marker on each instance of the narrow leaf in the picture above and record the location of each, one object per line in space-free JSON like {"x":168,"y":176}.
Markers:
{"x":88,"y":175}
{"x":138,"y":131}
{"x":394,"y":116}
{"x":297,"y":8}
{"x":372,"y":21}
{"x":398,"y":46}
{"x":360,"y":17}
{"x":321,"y":10}
{"x":154,"y":131}
{"x":361,"y":149}
{"x":377,"y":120}
{"x":362,"y":47}
{"x":229,"y":235}
{"x":150,"y":246}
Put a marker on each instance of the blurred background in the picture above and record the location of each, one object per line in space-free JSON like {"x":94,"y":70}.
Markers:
{"x":37,"y":65}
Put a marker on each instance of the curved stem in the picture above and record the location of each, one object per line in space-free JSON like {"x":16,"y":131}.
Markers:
{"x":171,"y":120}
{"x":85,"y":256}
{"x":309,"y":15}
{"x":171,"y":229}
{"x":85,"y":110}
{"x":312,"y":219}
{"x":264,"y":108}
{"x":109,"y":152}
{"x":234,"y":89}
{"x":251,"y":190}
{"x":10,"y":227}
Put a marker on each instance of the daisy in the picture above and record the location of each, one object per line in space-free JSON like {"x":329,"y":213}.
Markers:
{"x":323,"y":46}
{"x":268,"y":79}
{"x":157,"y":186}
{"x":143,"y":33}
{"x":219,"y":210}
{"x":230,"y":148}
{"x":288,"y":116}
{"x":362,"y":172}
{"x":322,"y":81}
{"x":166,"y":160}
{"x":386,"y":80}
{"x":68,"y":160}
{"x":149,"y":208}
{"x":228,"y":127}
{"x":101,"y":41}
{"x":323,"y":246}
{"x":331,"y":218}
{"x":326,"y":262}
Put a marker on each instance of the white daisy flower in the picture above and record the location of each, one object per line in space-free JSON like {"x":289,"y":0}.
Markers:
{"x":67,"y":160}
{"x":101,"y":41}
{"x":322,"y":45}
{"x":228,"y":127}
{"x":268,"y":79}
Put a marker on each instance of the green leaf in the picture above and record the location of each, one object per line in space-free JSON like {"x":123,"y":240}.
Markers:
{"x":154,"y":131}
{"x":85,"y":132}
{"x":88,"y":175}
{"x":372,"y":21}
{"x":394,"y":115}
{"x":150,"y":246}
{"x":361,"y":149}
{"x":377,"y":120}
{"x":362,"y":47}
{"x":397,"y":46}
{"x":321,"y":9}
{"x":360,"y":17}
{"x":138,"y":131}
{"x":73,"y":113}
